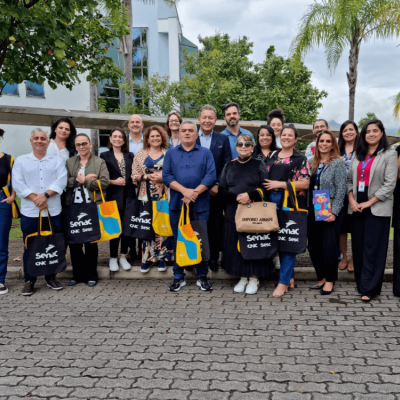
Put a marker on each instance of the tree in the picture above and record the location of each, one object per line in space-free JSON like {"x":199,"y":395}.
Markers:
{"x":56,"y":40}
{"x":363,"y":121}
{"x":336,"y":24}
{"x":396,"y":110}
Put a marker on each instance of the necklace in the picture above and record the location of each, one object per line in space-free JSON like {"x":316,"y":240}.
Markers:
{"x":244,"y":162}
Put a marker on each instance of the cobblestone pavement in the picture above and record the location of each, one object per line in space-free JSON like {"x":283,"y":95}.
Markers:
{"x":136,"y":340}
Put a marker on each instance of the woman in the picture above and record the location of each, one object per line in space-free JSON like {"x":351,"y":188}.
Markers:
{"x":174,"y":121}
{"x":6,"y":162}
{"x":84,"y":171}
{"x":370,"y":185}
{"x":147,"y":167}
{"x":329,"y":172}
{"x":238,"y":183}
{"x":266,"y":143}
{"x":287,"y":165}
{"x":396,"y":231}
{"x":62,"y":139}
{"x":119,"y":164}
{"x":276,"y":120}
{"x":347,"y":142}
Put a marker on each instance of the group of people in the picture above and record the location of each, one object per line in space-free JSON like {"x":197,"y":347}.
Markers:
{"x":212,"y":173}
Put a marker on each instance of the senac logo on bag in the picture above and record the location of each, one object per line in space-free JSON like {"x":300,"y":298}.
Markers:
{"x":80,"y":223}
{"x":47,"y":255}
{"x":287,"y":231}
{"x":257,"y":239}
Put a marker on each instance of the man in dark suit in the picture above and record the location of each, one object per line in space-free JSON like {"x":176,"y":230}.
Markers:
{"x":219,"y":146}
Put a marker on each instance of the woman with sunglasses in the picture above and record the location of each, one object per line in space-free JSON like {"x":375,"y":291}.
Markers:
{"x":238,"y":184}
{"x":266,"y":143}
{"x":174,"y":121}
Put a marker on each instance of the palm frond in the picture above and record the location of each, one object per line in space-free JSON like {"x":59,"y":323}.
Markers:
{"x":396,"y":110}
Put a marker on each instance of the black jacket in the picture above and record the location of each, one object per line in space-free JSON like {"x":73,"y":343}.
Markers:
{"x":115,"y":192}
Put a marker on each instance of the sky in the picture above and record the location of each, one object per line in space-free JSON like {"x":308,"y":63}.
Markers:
{"x":267,"y":22}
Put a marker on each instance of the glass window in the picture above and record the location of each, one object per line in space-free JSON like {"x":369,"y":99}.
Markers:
{"x":11,"y":90}
{"x":34,"y":89}
{"x":139,"y":54}
{"x":136,"y":37}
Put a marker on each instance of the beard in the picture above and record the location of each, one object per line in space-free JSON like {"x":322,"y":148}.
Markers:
{"x":233,"y":123}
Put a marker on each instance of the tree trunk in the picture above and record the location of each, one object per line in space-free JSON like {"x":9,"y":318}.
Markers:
{"x":94,"y":133}
{"x":128,"y":42}
{"x":352,"y":78}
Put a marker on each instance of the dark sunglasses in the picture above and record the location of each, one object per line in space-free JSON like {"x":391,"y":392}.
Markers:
{"x":241,"y":144}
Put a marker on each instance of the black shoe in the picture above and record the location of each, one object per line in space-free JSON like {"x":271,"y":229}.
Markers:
{"x":213,"y":265}
{"x":3,"y":289}
{"x":204,"y":284}
{"x":316,"y":287}
{"x":28,"y":289}
{"x":54,"y":284}
{"x":326,"y":292}
{"x":365,"y":300}
{"x":177,"y":284}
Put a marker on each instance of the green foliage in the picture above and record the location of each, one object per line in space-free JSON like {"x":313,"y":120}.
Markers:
{"x":56,"y":40}
{"x":363,"y":121}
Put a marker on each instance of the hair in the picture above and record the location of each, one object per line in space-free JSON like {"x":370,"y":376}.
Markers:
{"x":124,"y":147}
{"x":166,"y":127}
{"x":1,"y":133}
{"x":136,"y":115}
{"x":83,"y":134}
{"x":320,"y":119}
{"x":335,"y":154}
{"x":273,"y":145}
{"x":277,"y":113}
{"x":246,"y":137}
{"x":208,"y":107}
{"x":228,"y":105}
{"x":292,"y":127}
{"x":39,"y":130}
{"x":362,"y":146}
{"x":70,"y":145}
{"x":342,"y":143}
{"x":188,"y":122}
{"x":161,"y":131}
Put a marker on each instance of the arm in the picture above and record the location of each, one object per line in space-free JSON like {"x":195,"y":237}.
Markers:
{"x":137,"y":170}
{"x":210,"y":175}
{"x":309,"y":153}
{"x":224,"y":190}
{"x":390,"y":178}
{"x":340,"y":179}
{"x":103,"y":177}
{"x":18,"y":182}
{"x":255,"y":195}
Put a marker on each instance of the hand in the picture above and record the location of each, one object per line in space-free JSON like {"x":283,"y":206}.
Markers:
{"x":186,"y":201}
{"x":354,"y":205}
{"x":156,"y":177}
{"x":91,"y":177}
{"x":9,"y":200}
{"x":363,"y":206}
{"x":81,"y":178}
{"x":190,"y":194}
{"x":243,"y":198}
{"x":119,"y":182}
{"x":214,"y":190}
{"x":272,"y":185}
{"x":40,"y":200}
{"x":330,"y":217}
{"x":43,"y":207}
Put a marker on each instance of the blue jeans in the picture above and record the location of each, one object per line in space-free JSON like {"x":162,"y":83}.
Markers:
{"x":287,"y":259}
{"x":202,"y":268}
{"x":30,"y":225}
{"x":5,"y":226}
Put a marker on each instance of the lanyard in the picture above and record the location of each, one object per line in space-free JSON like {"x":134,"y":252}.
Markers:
{"x":347,"y":158}
{"x":319,"y":171}
{"x":171,"y":142}
{"x":364,"y":164}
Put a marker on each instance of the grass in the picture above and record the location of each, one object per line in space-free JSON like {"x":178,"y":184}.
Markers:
{"x":16,"y":233}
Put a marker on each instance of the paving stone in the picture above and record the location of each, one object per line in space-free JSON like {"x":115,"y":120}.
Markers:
{"x":169,"y":395}
{"x":99,"y":393}
{"x":130,"y":394}
{"x":209,"y":395}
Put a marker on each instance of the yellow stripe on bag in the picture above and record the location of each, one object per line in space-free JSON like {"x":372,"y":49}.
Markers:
{"x":14,"y":210}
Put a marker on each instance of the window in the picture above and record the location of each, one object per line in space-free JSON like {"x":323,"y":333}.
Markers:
{"x":34,"y":89}
{"x":139,"y":54}
{"x":186,"y":47}
{"x":11,"y":90}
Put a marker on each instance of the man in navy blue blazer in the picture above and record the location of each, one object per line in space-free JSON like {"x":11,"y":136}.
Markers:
{"x":220,"y":148}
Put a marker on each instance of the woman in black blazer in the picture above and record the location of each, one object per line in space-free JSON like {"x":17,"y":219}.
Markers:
{"x":119,"y":163}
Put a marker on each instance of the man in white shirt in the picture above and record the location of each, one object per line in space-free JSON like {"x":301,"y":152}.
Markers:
{"x":39,"y":179}
{"x":135,"y":125}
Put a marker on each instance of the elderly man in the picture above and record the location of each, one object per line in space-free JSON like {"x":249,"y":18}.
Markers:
{"x":135,"y":125}
{"x":39,"y":179}
{"x":189,"y":171}
{"x":220,"y":148}
{"x":318,"y":126}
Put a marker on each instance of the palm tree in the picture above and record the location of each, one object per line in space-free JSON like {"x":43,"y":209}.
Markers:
{"x":336,"y":24}
{"x":396,"y":110}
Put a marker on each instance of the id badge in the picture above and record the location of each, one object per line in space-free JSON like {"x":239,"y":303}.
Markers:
{"x":361,"y":186}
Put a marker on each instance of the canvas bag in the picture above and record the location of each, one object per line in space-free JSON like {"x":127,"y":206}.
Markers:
{"x":200,"y":229}
{"x":292,"y":236}
{"x":257,"y":217}
{"x":45,"y":251}
{"x":161,"y":222}
{"x":258,"y":246}
{"x":7,"y":191}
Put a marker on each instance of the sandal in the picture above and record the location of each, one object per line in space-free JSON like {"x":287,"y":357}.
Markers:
{"x":278,"y":295}
{"x":367,"y":300}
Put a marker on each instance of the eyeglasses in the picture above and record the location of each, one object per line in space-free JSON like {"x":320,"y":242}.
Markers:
{"x":241,"y":144}
{"x":77,"y":145}
{"x":174,"y":120}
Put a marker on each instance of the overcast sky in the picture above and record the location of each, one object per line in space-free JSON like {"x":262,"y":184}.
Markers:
{"x":267,"y":22}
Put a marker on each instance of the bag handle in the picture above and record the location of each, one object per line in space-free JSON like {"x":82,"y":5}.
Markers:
{"x":101,"y":192}
{"x":260,"y":191}
{"x":291,"y":191}
{"x":182,"y":217}
{"x":40,"y":222}
{"x":147,"y":189}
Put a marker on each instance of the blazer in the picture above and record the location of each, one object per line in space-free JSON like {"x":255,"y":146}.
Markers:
{"x":116,"y":192}
{"x":382,"y":181}
{"x":95,"y":165}
{"x":221,"y":151}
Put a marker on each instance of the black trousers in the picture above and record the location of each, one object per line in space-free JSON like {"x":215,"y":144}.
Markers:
{"x":84,"y":265}
{"x":324,"y":245}
{"x":396,"y":252}
{"x":215,"y":227}
{"x":126,"y":243}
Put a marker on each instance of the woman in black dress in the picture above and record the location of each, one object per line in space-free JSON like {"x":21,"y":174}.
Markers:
{"x":266,"y":143}
{"x":238,"y":184}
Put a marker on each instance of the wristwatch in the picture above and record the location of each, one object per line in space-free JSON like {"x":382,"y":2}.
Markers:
{"x":46,"y":194}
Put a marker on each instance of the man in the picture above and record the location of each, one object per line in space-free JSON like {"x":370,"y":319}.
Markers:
{"x":220,"y":148}
{"x":39,"y":179}
{"x":231,"y":115}
{"x":136,"y":126}
{"x":318,"y":126}
{"x":189,"y":171}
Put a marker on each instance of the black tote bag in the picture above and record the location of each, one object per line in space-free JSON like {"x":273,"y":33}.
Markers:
{"x":258,"y":246}
{"x":81,"y":220}
{"x":292,"y":234}
{"x":45,"y":251}
{"x":200,"y":229}
{"x":137,"y":222}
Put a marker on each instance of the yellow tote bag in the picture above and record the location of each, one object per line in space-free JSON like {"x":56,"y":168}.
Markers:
{"x":14,"y":208}
{"x":188,"y":250}
{"x":161,"y":222}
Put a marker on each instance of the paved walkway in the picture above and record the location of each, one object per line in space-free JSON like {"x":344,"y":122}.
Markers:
{"x":135,"y":340}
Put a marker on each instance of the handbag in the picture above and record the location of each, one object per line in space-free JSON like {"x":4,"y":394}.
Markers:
{"x":109,"y":219}
{"x":201,"y":231}
{"x":188,"y":250}
{"x":137,"y":222}
{"x":257,"y":217}
{"x":7,"y":191}
{"x":82,"y":223}
{"x":45,"y":251}
{"x":161,"y":222}
{"x":259,"y":246}
{"x":292,"y":236}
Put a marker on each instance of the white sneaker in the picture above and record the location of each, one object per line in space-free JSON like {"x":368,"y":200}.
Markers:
{"x":3,"y":289}
{"x":113,"y":265}
{"x":241,"y":286}
{"x":277,"y":263}
{"x":123,"y":263}
{"x":252,"y":287}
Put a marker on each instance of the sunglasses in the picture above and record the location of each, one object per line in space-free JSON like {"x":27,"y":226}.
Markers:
{"x":241,"y":144}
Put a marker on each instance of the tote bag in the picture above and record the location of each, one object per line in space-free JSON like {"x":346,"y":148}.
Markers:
{"x":45,"y":251}
{"x":109,"y":219}
{"x":15,"y":213}
{"x":258,"y":246}
{"x":81,"y":220}
{"x":161,"y":222}
{"x":200,"y":230}
{"x":137,"y":221}
{"x":188,"y":251}
{"x":292,"y":235}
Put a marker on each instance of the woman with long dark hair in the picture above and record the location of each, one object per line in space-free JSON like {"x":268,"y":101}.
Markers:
{"x":62,"y":139}
{"x":276,"y":120}
{"x":172,"y":125}
{"x":348,"y":136}
{"x":266,"y":143}
{"x":370,"y":184}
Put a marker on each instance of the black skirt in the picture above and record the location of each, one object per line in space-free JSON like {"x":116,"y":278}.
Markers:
{"x":347,"y":218}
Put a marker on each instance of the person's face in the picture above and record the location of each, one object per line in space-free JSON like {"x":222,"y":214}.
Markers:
{"x":188,"y":134}
{"x":63,"y":131}
{"x":232,"y":116}
{"x":243,"y":150}
{"x":265,"y":138}
{"x":39,"y":142}
{"x":373,"y":135}
{"x":325,"y":144}
{"x":276,"y":125}
{"x":117,"y":139}
{"x":349,"y":133}
{"x":135,"y":124}
{"x":173,"y":122}
{"x":319,"y":126}
{"x":207,"y":120}
{"x":155,"y":139}
{"x":288,"y":138}
{"x":83,"y":146}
